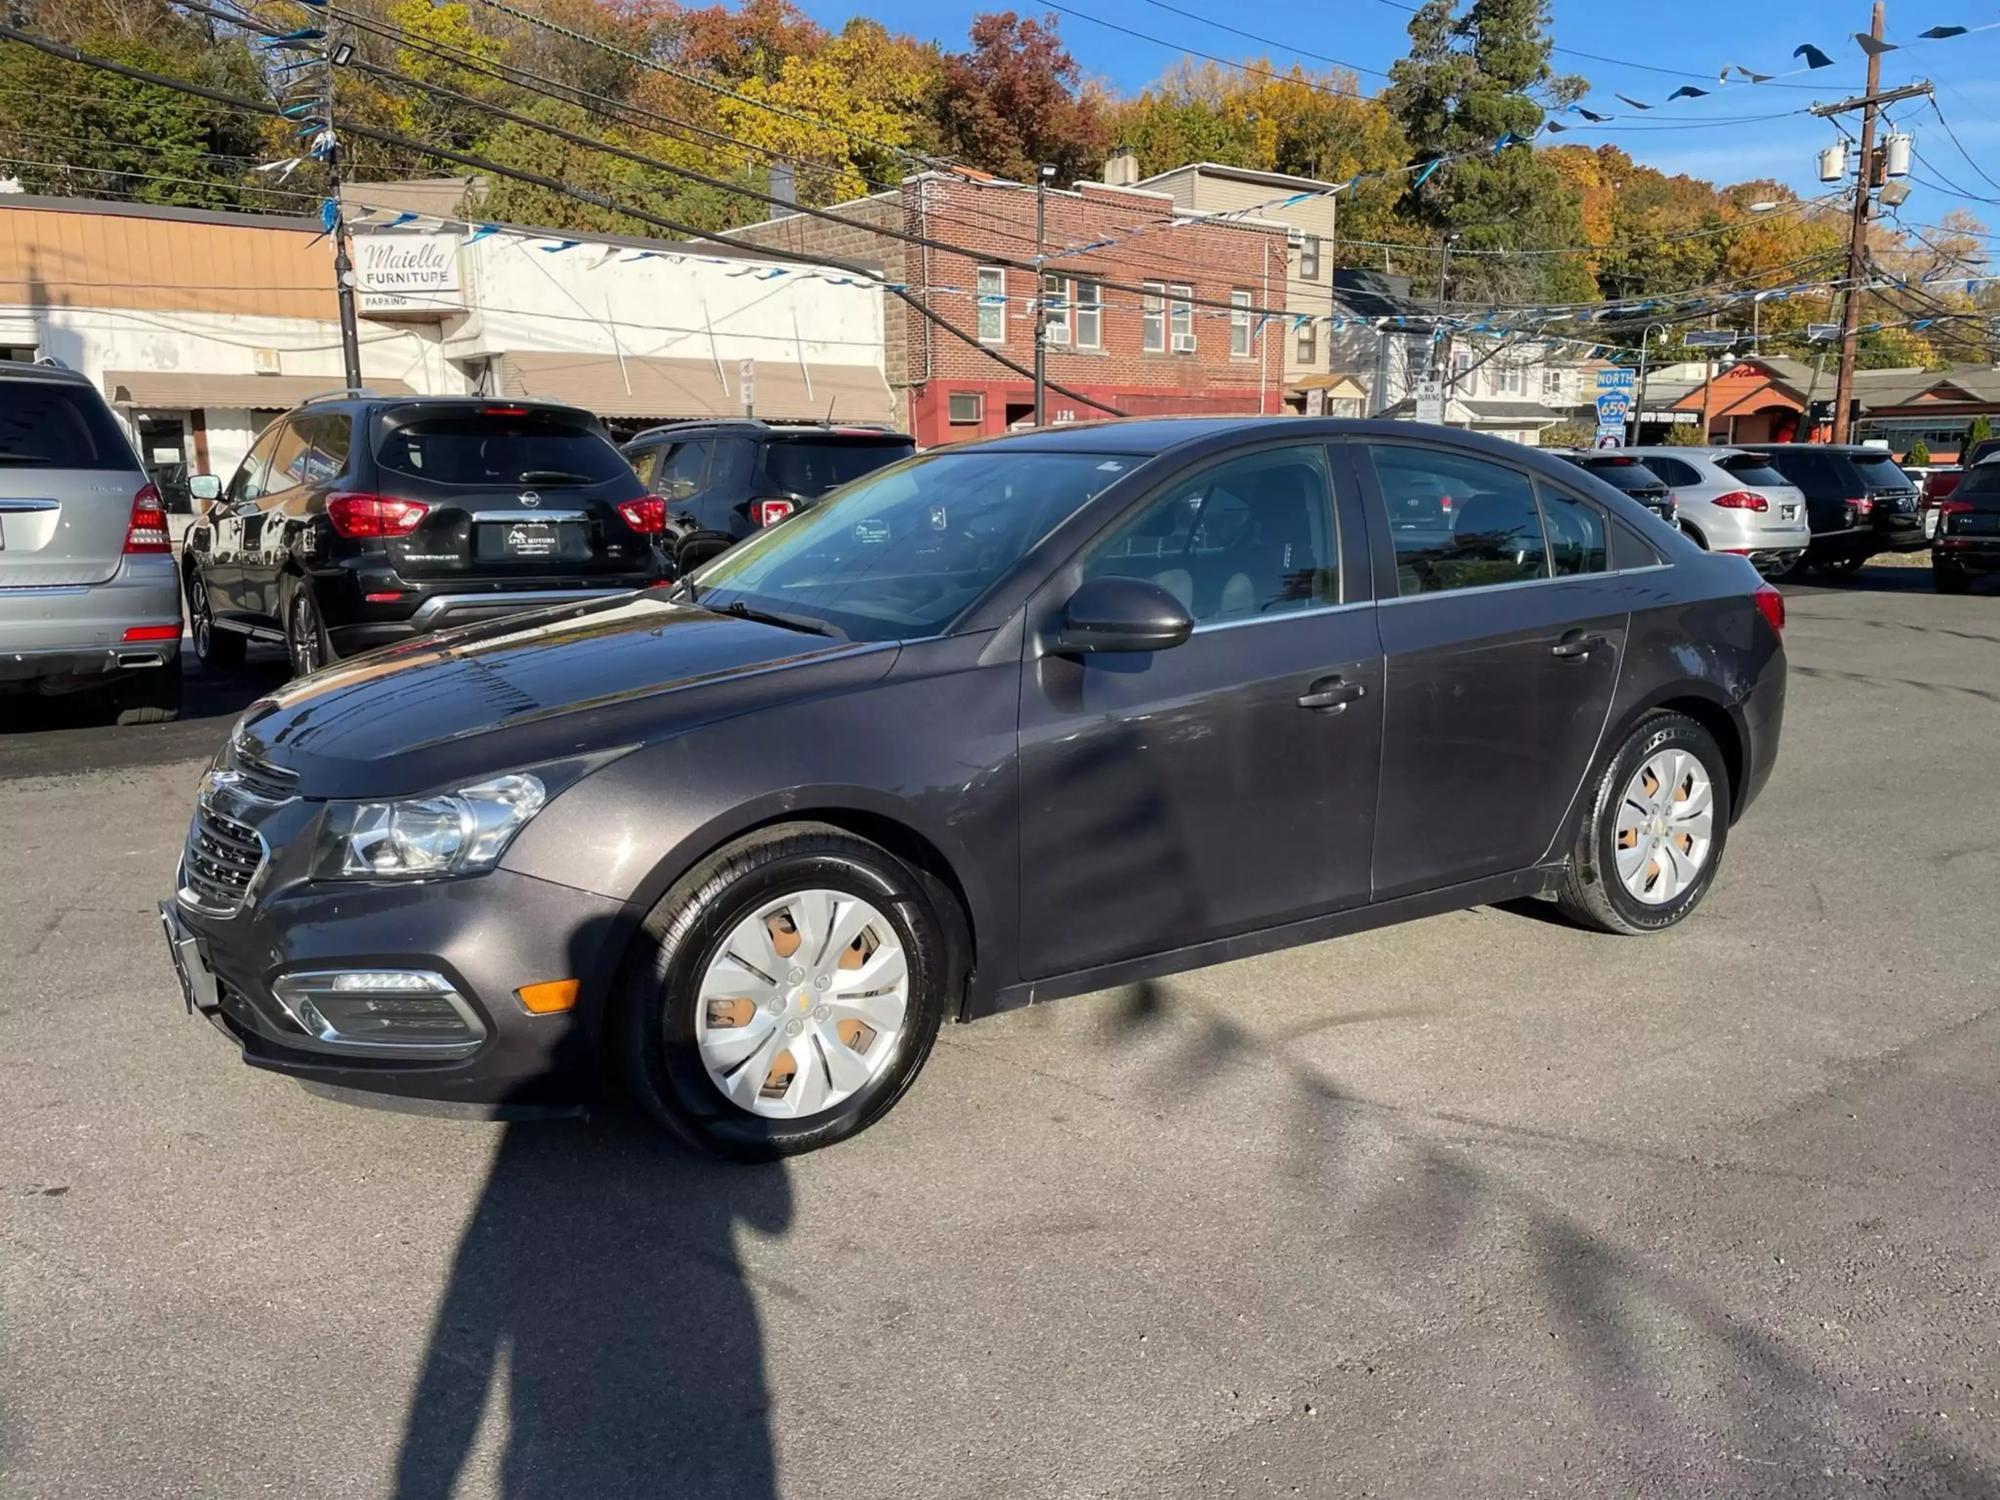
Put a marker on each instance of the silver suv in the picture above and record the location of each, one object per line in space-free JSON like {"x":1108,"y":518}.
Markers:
{"x":89,"y":600}
{"x":1733,"y":501}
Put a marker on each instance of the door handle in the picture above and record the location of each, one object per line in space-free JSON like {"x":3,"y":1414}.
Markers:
{"x":1576,"y":643}
{"x":1331,"y":695}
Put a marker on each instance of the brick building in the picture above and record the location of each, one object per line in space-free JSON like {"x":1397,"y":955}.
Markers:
{"x":1170,"y":318}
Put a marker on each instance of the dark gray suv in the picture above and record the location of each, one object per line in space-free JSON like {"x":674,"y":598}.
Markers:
{"x":88,"y":598}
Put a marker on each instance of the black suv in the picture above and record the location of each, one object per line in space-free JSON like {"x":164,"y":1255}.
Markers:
{"x":357,"y":520}
{"x":1858,"y":502}
{"x":1624,"y":472}
{"x":723,"y":480}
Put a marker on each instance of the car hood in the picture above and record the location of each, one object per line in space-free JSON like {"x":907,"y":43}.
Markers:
{"x":466,"y":704}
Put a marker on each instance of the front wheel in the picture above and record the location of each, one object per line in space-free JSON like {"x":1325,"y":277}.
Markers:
{"x":219,"y":650}
{"x":1653,"y":838}
{"x":1843,"y":569}
{"x":783,"y":994}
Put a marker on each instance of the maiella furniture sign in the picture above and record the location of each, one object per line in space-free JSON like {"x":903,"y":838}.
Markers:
{"x":407,"y":275}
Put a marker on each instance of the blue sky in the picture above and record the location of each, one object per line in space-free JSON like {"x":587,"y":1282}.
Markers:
{"x":1698,"y":36}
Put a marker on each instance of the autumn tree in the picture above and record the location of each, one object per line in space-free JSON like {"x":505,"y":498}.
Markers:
{"x":1015,"y":99}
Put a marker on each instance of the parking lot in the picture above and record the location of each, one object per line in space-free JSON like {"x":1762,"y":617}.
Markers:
{"x":1482,"y":1205}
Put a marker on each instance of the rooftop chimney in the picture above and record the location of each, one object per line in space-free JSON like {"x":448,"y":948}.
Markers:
{"x":1121,"y":167}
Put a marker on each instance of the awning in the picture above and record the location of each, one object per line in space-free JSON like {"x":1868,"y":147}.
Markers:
{"x":668,"y":388}
{"x":188,"y":390}
{"x":1333,"y":385}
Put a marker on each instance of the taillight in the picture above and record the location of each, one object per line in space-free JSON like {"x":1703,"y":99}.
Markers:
{"x":373,"y":515}
{"x":770,"y":512}
{"x":1771,"y":605}
{"x":647,"y":514}
{"x":1863,"y":504}
{"x":1951,"y":507}
{"x":152,"y":632}
{"x":147,"y":530}
{"x":503,"y":411}
{"x":1742,"y":500}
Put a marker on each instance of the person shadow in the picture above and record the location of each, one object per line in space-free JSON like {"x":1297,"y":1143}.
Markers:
{"x":598,"y":1298}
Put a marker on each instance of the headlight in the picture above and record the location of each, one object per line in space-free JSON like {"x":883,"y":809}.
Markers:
{"x":455,"y":834}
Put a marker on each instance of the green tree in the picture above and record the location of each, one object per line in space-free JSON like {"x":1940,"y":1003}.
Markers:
{"x":1978,"y":431}
{"x":1464,"y":87}
{"x":1920,"y":453}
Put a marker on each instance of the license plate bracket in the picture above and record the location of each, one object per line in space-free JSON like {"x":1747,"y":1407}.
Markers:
{"x":199,"y":992}
{"x":532,"y":540}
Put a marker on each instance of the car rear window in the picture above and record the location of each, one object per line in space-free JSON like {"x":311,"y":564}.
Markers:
{"x":48,"y":424}
{"x":811,"y":466}
{"x":1626,"y":473}
{"x":1750,"y":468}
{"x":1880,"y":472}
{"x":482,"y":447}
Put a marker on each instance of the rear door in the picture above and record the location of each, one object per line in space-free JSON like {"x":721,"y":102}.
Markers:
{"x":227,"y":524}
{"x":261,"y":547}
{"x":67,"y":479}
{"x":1503,"y":626}
{"x":513,"y":493}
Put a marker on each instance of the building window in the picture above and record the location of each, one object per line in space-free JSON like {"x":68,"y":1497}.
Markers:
{"x":1089,"y":315}
{"x":966,"y":408}
{"x":1239,"y":324}
{"x":1055,"y":309}
{"x":1309,"y":343}
{"x":1183,"y":319}
{"x":1552,"y":385}
{"x":1461,"y":366}
{"x":1510,"y":380}
{"x":18,"y":354}
{"x":1153,"y":318}
{"x":1309,"y":258}
{"x":992,"y":305}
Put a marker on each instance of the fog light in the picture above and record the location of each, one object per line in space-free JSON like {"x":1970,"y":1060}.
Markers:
{"x":410,"y":1011}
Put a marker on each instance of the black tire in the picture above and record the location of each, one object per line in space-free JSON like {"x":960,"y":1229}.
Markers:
{"x":305,"y":635}
{"x":1694,"y":536}
{"x":652,"y":1026}
{"x":219,"y":650}
{"x":1842,"y":569}
{"x":1591,"y":900}
{"x":148,"y":695}
{"x":1949,"y":578}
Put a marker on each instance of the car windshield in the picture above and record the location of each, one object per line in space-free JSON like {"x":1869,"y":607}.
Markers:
{"x":811,"y":466}
{"x":1750,"y":468}
{"x":500,"y":447}
{"x":1880,"y":472}
{"x":903,"y":552}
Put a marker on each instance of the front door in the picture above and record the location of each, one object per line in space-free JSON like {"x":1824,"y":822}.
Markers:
{"x":233,"y":522}
{"x":1226,"y":784}
{"x":1503,"y":629}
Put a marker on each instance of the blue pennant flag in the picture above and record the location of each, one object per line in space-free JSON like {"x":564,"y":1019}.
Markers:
{"x":480,"y":232}
{"x":556,"y":249}
{"x":1425,"y":175}
{"x":329,"y":215}
{"x":1921,"y":324}
{"x":405,"y":217}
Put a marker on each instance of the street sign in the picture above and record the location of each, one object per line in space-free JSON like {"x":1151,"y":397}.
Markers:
{"x":1610,"y":437}
{"x":1430,"y":402}
{"x":1315,"y":403}
{"x":1613,"y":407}
{"x":746,"y":383}
{"x":1617,"y":378}
{"x":1710,"y":338}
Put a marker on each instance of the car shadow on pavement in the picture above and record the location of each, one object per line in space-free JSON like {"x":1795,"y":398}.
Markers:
{"x":598,"y":1297}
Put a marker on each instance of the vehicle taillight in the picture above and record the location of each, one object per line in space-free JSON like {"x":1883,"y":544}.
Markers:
{"x":373,"y":515}
{"x":1863,"y":504}
{"x":770,"y":512}
{"x":503,"y":411}
{"x":648,"y":513}
{"x":147,"y":530}
{"x":152,"y":632}
{"x":1771,"y":605}
{"x":1951,"y":507}
{"x":1742,"y":500}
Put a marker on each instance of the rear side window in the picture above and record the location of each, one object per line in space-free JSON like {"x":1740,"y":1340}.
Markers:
{"x":1673,"y":470}
{"x":1880,"y":473}
{"x":332,"y":436}
{"x":1751,"y":469}
{"x":1576,"y":534}
{"x":475,"y":447}
{"x":49,"y":424}
{"x":812,"y":466}
{"x":645,"y":462}
{"x":1625,"y":473}
{"x":1458,"y":522}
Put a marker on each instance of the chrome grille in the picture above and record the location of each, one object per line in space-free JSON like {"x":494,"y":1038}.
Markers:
{"x":264,"y":782}
{"x":221,"y":860}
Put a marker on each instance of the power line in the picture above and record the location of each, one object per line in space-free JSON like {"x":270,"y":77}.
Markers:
{"x":1265,"y":41}
{"x":1249,"y":68}
{"x":1970,"y":161}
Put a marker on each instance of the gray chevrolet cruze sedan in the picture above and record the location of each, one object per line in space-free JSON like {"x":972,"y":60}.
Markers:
{"x":89,"y":600}
{"x":994,"y":725}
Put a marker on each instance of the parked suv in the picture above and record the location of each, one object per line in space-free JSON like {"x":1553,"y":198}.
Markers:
{"x":1857,"y":499}
{"x":357,"y":520}
{"x":1624,"y":471}
{"x":1965,"y":539}
{"x":87,"y":595}
{"x":723,"y":480}
{"x":1732,"y":501}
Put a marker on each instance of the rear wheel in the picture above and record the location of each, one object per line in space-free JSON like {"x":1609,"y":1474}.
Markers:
{"x":219,"y":650}
{"x":1843,"y":569}
{"x":783,"y":994}
{"x":148,"y":695}
{"x":305,"y":635}
{"x":1949,"y":578}
{"x":1653,"y":838}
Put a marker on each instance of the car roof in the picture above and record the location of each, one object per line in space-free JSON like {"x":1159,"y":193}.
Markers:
{"x":1845,"y":448}
{"x":17,"y":370}
{"x":1149,"y":437}
{"x":753,"y":426}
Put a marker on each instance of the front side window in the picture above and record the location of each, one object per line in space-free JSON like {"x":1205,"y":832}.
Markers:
{"x":1249,"y":539}
{"x":1183,"y":320}
{"x":1457,"y":522}
{"x":248,"y":481}
{"x":901,"y":553}
{"x":992,"y":304}
{"x":1089,"y":314}
{"x":1153,"y":318}
{"x":1239,"y":324}
{"x":1055,"y":309}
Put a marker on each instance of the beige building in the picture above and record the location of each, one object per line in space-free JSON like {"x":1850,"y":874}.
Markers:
{"x":1210,"y":188}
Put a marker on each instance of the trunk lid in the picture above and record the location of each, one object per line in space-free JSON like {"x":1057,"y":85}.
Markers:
{"x":67,"y":480}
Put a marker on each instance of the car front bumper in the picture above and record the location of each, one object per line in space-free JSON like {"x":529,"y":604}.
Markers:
{"x":485,"y":937}
{"x":78,"y":630}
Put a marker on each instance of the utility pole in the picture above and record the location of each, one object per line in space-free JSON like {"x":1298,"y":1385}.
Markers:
{"x":1042,"y":176}
{"x":1857,"y":242}
{"x":1440,"y":342}
{"x":343,"y":267}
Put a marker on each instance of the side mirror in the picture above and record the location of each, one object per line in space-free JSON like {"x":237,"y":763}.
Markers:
{"x":1123,"y":614}
{"x":204,"y":490}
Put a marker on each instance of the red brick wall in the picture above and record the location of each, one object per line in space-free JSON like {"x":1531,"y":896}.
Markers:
{"x":989,"y":222}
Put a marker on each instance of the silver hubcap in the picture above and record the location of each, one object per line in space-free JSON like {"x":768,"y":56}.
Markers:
{"x":1666,"y":827}
{"x":802,"y":1004}
{"x":198,"y":607}
{"x":305,"y":639}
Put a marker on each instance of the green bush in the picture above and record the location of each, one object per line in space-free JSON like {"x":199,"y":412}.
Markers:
{"x":1919,"y":453}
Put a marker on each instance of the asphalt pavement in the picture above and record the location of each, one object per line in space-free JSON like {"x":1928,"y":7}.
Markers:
{"x":1482,"y":1205}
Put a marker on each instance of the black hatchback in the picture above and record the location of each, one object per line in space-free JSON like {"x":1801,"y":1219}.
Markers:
{"x":725,"y":480}
{"x":1858,"y":500}
{"x":1624,"y":472}
{"x":358,"y":520}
